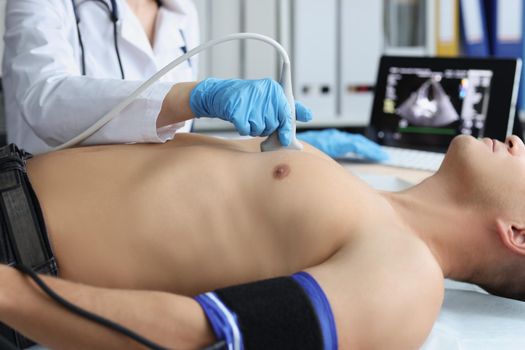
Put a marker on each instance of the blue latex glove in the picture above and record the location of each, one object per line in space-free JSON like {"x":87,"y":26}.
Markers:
{"x":255,"y":107}
{"x":337,"y":143}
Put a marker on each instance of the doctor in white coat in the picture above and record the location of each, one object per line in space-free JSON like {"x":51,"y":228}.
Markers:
{"x":68,"y":62}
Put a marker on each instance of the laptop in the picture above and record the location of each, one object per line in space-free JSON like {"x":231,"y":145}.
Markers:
{"x":421,"y":103}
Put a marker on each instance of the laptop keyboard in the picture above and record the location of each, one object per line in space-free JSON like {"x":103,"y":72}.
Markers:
{"x":413,"y":159}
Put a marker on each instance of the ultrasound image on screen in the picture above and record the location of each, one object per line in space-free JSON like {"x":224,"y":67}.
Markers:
{"x":431,"y":107}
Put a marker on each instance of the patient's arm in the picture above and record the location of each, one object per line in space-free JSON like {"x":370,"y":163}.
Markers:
{"x":374,"y":308}
{"x":170,"y":320}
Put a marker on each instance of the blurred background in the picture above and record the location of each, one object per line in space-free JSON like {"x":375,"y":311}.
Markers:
{"x":335,"y":45}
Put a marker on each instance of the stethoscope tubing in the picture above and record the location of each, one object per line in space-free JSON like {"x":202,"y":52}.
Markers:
{"x":114,"y":15}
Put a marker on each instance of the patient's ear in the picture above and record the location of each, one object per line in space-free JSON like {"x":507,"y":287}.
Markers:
{"x":512,"y":236}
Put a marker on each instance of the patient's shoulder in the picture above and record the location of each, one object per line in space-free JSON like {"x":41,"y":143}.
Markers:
{"x":403,"y":291}
{"x":422,"y":288}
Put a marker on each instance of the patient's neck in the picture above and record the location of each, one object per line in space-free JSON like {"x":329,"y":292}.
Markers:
{"x":436,"y":217}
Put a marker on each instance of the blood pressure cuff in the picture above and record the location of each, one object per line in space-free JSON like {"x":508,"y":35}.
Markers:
{"x":281,"y":313}
{"x":23,"y":235}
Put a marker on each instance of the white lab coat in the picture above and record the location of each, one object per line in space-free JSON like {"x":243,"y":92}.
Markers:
{"x":48,"y":101}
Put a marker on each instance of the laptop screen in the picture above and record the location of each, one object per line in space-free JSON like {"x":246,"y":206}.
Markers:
{"x":422,"y":103}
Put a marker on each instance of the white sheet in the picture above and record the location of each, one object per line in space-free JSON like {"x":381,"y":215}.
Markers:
{"x":473,"y":320}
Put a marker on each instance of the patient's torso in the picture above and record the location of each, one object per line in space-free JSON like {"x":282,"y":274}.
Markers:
{"x":195,"y":213}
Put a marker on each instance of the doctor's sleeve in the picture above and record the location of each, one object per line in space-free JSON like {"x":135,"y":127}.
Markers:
{"x":42,"y":70}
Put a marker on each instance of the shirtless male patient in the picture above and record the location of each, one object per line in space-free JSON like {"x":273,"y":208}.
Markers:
{"x":139,"y":230}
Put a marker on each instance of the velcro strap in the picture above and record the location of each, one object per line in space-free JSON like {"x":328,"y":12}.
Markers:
{"x":23,"y":236}
{"x":22,"y":223}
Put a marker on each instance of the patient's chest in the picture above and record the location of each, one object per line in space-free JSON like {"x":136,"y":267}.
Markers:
{"x":197,"y":212}
{"x":261,"y":211}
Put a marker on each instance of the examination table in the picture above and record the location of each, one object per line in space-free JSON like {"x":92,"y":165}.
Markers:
{"x":473,"y":320}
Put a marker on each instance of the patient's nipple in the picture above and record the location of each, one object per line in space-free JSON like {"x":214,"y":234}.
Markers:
{"x":281,"y":171}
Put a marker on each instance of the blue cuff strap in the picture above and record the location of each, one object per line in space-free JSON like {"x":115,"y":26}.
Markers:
{"x":286,"y":313}
{"x":322,"y":308}
{"x":222,"y":320}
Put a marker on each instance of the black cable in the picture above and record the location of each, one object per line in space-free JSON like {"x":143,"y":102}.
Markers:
{"x":117,"y":50}
{"x":221,"y":345}
{"x":86,"y":314}
{"x":80,"y":41}
{"x":114,"y":17}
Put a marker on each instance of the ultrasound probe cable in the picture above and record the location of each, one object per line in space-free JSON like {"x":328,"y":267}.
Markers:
{"x":270,"y":144}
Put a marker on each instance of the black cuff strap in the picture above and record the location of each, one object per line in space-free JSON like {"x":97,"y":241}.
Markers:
{"x":274,"y":314}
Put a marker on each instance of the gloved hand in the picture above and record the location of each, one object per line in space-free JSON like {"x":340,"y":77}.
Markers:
{"x":255,"y":107}
{"x":336,"y":143}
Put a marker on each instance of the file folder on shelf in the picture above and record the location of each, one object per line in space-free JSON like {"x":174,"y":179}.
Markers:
{"x":474,"y":28}
{"x":314,"y":56}
{"x":506,"y":26}
{"x":447,"y":31}
{"x":506,"y":33}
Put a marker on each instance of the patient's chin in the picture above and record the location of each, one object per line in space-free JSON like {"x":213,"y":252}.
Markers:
{"x":461,"y":151}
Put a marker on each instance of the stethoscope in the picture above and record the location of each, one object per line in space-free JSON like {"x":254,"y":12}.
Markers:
{"x":114,"y":18}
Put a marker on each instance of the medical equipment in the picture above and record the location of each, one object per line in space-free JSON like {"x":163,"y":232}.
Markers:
{"x":270,"y":144}
{"x":290,"y":312}
{"x":114,"y":18}
{"x":254,"y":107}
